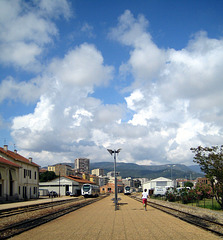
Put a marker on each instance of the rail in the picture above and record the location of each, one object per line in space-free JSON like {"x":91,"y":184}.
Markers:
{"x":206,"y":223}
{"x":22,"y":226}
{"x":22,"y":209}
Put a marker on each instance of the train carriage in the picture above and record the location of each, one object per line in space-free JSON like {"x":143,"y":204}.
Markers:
{"x":90,"y":190}
{"x":127,"y":190}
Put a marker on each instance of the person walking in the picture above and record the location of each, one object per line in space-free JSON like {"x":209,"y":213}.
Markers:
{"x":144,"y":198}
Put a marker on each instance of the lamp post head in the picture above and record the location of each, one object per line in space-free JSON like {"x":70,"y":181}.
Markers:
{"x":118,"y":150}
{"x":110,"y":151}
{"x":114,"y":151}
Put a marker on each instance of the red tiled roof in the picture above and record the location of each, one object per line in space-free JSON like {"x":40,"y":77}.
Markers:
{"x":93,"y":176}
{"x":17,"y":157}
{"x":5,"y":161}
{"x":78,"y":179}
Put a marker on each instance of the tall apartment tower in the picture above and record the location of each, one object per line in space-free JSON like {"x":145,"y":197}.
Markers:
{"x":82,"y":165}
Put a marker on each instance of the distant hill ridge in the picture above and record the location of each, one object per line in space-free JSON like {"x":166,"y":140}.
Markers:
{"x":149,"y":171}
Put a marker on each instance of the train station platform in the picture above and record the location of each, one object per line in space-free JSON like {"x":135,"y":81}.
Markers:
{"x":32,"y":202}
{"x":130,"y":222}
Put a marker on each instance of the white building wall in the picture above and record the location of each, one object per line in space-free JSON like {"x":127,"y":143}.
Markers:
{"x":158,"y":182}
{"x":61,"y":185}
{"x":26,"y":182}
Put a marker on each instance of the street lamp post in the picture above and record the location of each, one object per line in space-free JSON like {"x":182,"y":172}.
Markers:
{"x":171,"y":170}
{"x":111,"y":152}
{"x":59,"y":183}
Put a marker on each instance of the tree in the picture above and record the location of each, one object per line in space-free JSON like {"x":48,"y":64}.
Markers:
{"x":210,"y":160}
{"x":188,"y":184}
{"x":47,"y":176}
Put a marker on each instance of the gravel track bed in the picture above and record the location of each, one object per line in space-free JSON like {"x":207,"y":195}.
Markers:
{"x":7,"y":221}
{"x":197,"y":211}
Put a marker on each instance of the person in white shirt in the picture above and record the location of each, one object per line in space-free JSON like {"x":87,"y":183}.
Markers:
{"x":144,"y":198}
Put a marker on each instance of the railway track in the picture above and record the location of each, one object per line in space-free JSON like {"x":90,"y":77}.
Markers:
{"x":24,"y":209}
{"x":25,"y":225}
{"x":206,"y":223}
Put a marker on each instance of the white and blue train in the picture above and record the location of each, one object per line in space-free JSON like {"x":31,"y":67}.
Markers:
{"x":127,"y":190}
{"x":90,"y":190}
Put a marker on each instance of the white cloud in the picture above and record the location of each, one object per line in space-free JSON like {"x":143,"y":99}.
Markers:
{"x":174,"y":103}
{"x":146,"y":59}
{"x":65,"y":112}
{"x":55,"y":8}
{"x":25,"y":32}
{"x":135,"y":97}
{"x":88,"y":29}
{"x":79,"y":115}
{"x":82,"y":67}
{"x":26,"y":92}
{"x":183,"y":104}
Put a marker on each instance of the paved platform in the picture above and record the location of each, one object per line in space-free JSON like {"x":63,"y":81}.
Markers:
{"x":32,"y":202}
{"x":131,"y":222}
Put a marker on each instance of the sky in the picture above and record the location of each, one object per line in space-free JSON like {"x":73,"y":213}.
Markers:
{"x":79,"y":77}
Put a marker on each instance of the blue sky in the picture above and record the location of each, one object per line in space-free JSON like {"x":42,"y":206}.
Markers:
{"x":78,"y":77}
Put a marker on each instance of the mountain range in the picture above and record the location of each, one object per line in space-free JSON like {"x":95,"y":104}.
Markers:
{"x":149,"y":171}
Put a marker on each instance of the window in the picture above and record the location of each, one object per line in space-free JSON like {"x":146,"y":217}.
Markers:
{"x":24,"y":173}
{"x":161,"y":183}
{"x":10,"y":184}
{"x":35,"y":175}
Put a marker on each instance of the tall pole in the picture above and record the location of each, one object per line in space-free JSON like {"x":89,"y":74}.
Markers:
{"x":116,"y":199}
{"x":59,"y":183}
{"x":111,"y":152}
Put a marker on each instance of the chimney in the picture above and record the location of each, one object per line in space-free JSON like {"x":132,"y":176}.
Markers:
{"x":15,"y":151}
{"x":6,"y":147}
{"x":30,"y":159}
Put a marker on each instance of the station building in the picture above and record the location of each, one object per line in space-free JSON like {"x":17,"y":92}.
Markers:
{"x":158,"y":185}
{"x":19,"y":176}
{"x":64,"y":184}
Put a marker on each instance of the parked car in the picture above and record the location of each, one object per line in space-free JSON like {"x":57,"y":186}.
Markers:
{"x":73,"y":195}
{"x":53,"y":194}
{"x":68,"y":193}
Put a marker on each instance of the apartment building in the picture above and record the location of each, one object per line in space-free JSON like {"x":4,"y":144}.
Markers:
{"x":61,"y":169}
{"x":82,"y":165}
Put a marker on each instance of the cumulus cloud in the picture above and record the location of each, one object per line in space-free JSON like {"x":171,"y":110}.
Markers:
{"x":176,"y":93}
{"x":146,"y":59}
{"x":174,"y":102}
{"x":82,"y":67}
{"x":25,"y":31}
{"x":26,"y":92}
{"x":65,"y":114}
